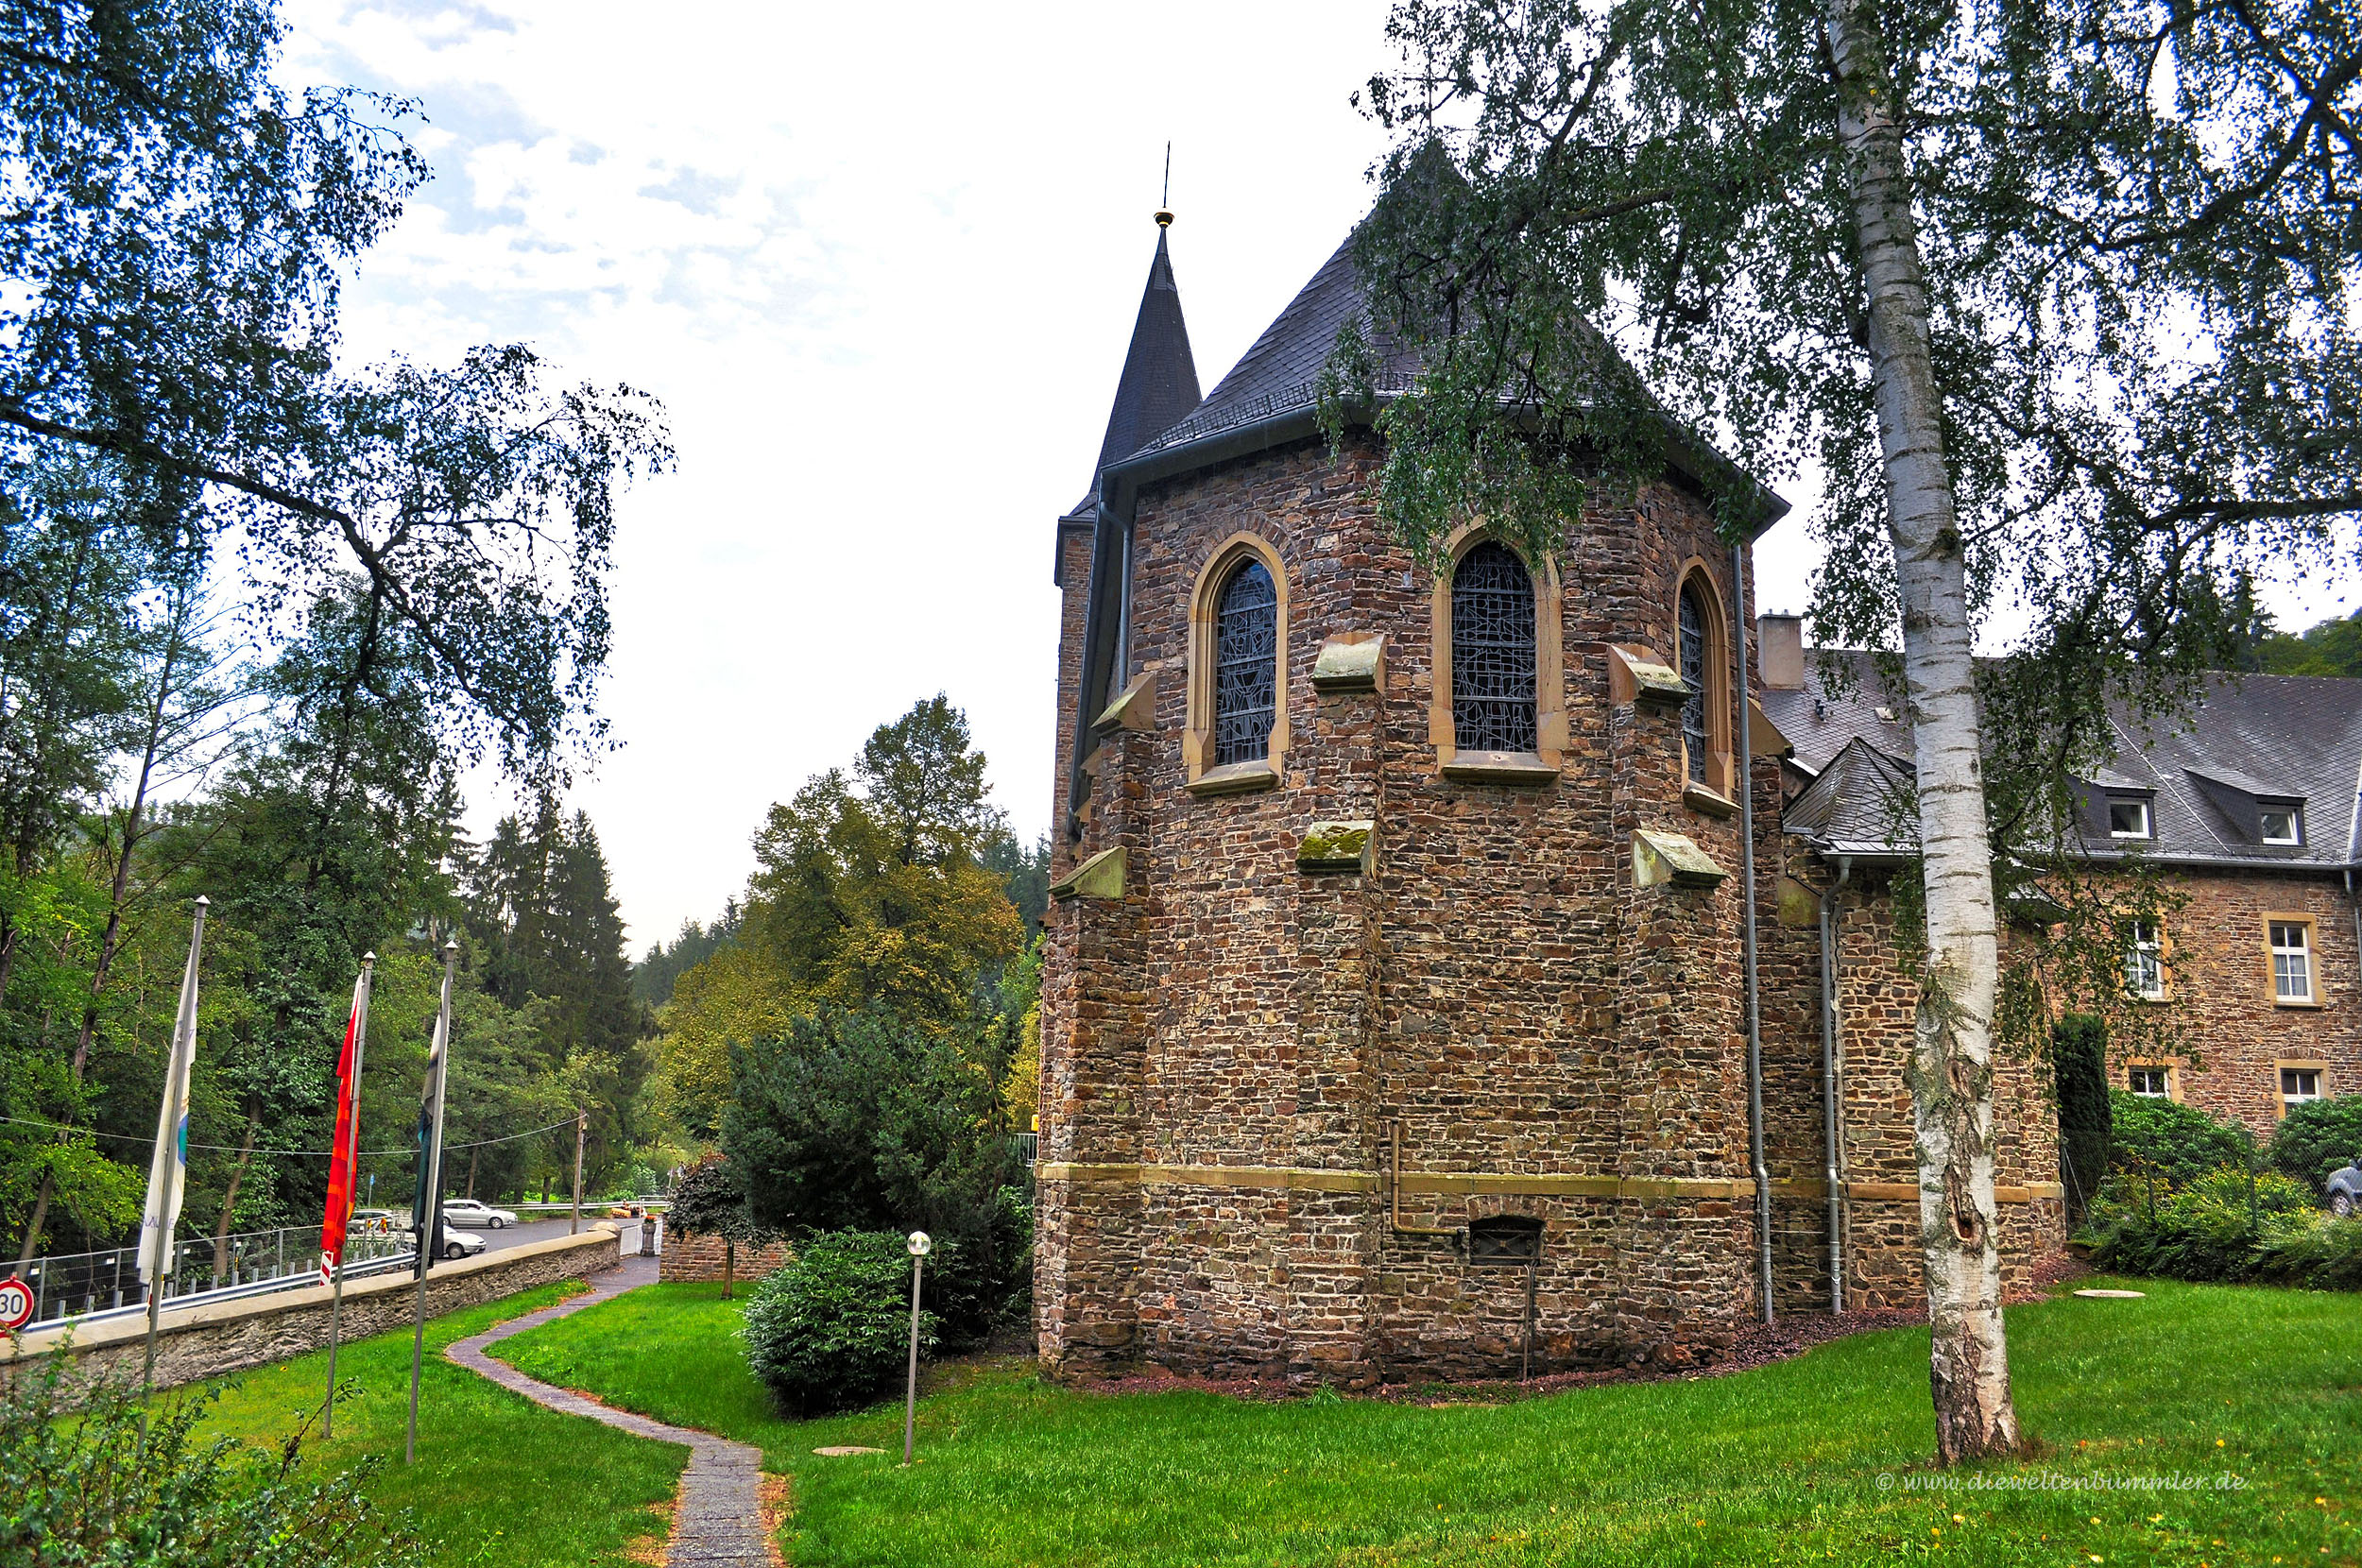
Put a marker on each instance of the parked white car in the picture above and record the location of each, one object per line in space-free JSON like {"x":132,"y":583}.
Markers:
{"x":466,"y":1211}
{"x":456,"y":1246}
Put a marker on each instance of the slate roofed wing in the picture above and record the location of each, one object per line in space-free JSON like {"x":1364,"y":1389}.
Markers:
{"x":2282,"y":740}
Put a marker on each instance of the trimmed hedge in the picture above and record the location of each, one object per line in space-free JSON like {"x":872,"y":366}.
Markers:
{"x":831,"y":1331}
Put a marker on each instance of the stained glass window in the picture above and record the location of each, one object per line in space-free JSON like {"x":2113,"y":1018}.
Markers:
{"x":1693,"y":670}
{"x":1492,"y":652}
{"x":1246,"y":665}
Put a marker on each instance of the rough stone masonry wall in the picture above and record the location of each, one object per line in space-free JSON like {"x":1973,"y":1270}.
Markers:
{"x":1553,"y":1040}
{"x":698,"y":1256}
{"x":214,"y":1341}
{"x":2226,"y":1033}
{"x":1074,"y":584}
{"x":1878,"y":1165}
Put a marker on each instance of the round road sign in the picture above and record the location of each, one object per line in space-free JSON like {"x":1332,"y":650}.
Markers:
{"x":16,"y":1303}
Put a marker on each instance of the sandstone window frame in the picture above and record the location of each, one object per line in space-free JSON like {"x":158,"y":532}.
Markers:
{"x":1716,"y":772}
{"x":1542,"y":764}
{"x":2284,"y":1066}
{"x":2169,"y":1074}
{"x":2312,"y":954}
{"x":1202,"y":777}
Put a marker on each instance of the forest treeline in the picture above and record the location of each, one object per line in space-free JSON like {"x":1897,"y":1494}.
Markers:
{"x":149,"y":757}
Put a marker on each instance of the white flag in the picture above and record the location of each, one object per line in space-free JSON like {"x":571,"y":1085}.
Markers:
{"x":168,"y":1167}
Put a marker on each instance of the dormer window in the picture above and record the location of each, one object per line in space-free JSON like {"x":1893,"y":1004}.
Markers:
{"x":2282,"y":824}
{"x":2128,"y":818}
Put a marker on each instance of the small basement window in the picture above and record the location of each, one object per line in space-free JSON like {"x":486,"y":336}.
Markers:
{"x":1505,"y":1241}
{"x":2282,"y":824}
{"x":2127,"y":819}
{"x":2299,"y":1084}
{"x":2152,"y":1083}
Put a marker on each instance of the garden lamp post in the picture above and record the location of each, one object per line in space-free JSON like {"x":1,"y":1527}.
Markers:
{"x":920,"y":1245}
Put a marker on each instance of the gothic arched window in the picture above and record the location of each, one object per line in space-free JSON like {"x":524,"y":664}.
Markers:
{"x":1246,"y":665}
{"x":1705,"y":664}
{"x":1492,"y":652}
{"x":1693,"y":636}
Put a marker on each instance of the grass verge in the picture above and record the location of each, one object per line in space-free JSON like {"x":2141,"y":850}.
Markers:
{"x":2201,"y":1426}
{"x":499,"y":1479}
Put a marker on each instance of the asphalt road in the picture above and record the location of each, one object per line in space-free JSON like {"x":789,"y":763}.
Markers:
{"x":534,"y":1229}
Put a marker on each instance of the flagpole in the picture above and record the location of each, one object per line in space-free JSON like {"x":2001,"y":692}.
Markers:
{"x":431,"y":1189}
{"x":336,"y":1301}
{"x":172,"y":1123}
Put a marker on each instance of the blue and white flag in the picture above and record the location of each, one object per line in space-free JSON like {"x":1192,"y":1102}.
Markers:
{"x":168,"y":1168}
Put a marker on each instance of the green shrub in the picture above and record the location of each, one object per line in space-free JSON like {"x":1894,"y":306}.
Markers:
{"x":2316,"y":1138}
{"x":2218,"y":1228}
{"x":83,"y":1484}
{"x":2177,"y":1145}
{"x":2078,"y":1052}
{"x":831,"y":1331}
{"x":2323,"y":1253}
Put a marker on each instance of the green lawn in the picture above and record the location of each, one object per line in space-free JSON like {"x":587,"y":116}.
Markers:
{"x":500,"y":1480}
{"x":1779,"y":1465}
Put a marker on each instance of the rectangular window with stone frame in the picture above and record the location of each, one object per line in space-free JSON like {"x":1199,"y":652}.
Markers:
{"x":2144,"y":961}
{"x":2291,"y":947}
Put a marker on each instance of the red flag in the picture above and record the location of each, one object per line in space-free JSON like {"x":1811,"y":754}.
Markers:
{"x":345,"y":1155}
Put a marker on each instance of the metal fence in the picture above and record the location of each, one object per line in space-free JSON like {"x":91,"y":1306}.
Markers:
{"x":74,"y":1285}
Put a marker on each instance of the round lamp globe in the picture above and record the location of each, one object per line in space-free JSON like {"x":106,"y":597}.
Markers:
{"x":920,"y":1244}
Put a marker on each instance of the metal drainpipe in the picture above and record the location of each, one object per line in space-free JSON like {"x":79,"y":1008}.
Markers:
{"x":1828,"y":1085}
{"x":2353,"y":841}
{"x":1746,"y":862}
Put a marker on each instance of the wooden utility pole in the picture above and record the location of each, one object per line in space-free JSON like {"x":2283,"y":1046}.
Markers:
{"x":582,"y":1126}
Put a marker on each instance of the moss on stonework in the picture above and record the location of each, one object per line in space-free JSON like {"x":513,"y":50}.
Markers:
{"x":1336,"y":846}
{"x":1101,"y":876}
{"x":1660,"y":856}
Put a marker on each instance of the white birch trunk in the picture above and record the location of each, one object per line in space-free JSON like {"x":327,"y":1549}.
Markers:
{"x":1952,"y":1057}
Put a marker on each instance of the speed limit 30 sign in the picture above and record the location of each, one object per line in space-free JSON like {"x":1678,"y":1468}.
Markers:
{"x":16,"y":1303}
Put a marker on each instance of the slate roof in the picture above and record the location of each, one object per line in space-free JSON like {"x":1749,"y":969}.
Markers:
{"x":1158,"y":386}
{"x":1280,"y":373}
{"x":2280,"y":737}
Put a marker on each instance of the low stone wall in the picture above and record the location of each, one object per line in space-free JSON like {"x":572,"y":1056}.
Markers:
{"x":694,"y":1255}
{"x":213,"y":1341}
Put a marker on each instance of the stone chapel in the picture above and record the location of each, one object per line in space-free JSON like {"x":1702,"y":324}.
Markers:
{"x":1395,"y":1014}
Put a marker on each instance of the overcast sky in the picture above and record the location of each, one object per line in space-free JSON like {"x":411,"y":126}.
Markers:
{"x":880,"y":264}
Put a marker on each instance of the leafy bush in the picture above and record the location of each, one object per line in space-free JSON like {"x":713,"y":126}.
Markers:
{"x":2078,"y":1051}
{"x":976,"y":1284}
{"x":2218,"y":1228}
{"x":2173,"y":1143}
{"x":81,"y":1485}
{"x":2316,"y":1138}
{"x":2323,"y":1253}
{"x":831,"y":1331}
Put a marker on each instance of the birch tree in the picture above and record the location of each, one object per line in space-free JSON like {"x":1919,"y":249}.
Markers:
{"x":2056,"y":295}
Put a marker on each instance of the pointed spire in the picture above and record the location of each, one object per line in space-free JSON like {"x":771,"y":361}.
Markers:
{"x":1159,"y":387}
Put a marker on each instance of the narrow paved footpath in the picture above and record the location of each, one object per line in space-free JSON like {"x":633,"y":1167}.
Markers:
{"x":718,"y":1518}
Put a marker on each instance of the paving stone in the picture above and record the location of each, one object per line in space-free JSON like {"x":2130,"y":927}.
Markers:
{"x":718,"y":1516}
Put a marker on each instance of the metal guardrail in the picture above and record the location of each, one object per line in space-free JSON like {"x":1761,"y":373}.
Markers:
{"x":90,"y":1285}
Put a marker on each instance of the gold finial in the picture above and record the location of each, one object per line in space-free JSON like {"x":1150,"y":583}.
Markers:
{"x":1164,"y":218}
